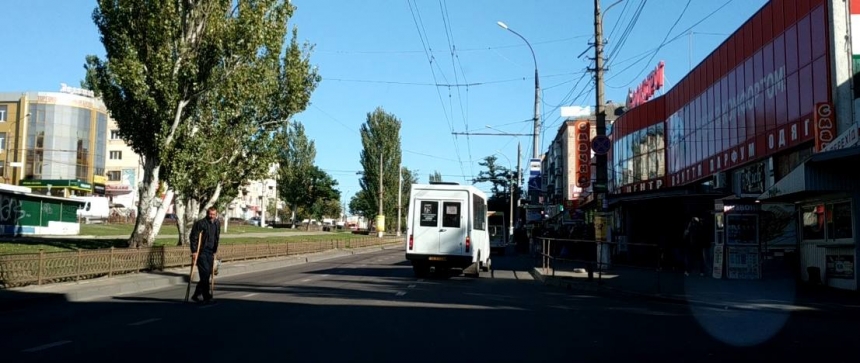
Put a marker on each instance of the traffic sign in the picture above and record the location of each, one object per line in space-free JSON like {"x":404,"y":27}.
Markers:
{"x":600,"y":144}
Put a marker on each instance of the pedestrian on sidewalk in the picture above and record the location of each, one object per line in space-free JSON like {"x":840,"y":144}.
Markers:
{"x":697,"y":244}
{"x":209,"y":233}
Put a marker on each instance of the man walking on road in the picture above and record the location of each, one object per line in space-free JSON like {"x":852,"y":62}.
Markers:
{"x":208,"y":233}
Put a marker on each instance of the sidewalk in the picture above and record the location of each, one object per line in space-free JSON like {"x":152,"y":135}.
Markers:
{"x":773,"y":295}
{"x":28,"y":296}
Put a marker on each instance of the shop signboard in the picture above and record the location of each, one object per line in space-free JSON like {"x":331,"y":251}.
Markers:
{"x":840,"y":266}
{"x":743,"y":263}
{"x":582,"y":154}
{"x":742,"y":246}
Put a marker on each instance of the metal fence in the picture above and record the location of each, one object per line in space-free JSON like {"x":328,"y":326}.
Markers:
{"x":640,"y":264}
{"x":51,"y":267}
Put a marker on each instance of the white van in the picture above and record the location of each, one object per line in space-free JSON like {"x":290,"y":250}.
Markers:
{"x":498,"y":232}
{"x":447,"y":228}
{"x":94,"y":208}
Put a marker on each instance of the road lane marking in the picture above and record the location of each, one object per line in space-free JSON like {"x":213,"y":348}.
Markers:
{"x":46,"y":346}
{"x":305,"y":280}
{"x":401,"y":293}
{"x":412,"y":286}
{"x":147,"y":321}
{"x":249,"y":295}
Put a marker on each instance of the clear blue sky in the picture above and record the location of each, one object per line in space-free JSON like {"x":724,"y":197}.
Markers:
{"x":370,"y":54}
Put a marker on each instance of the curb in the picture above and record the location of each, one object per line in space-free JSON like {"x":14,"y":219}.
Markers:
{"x":158,"y":280}
{"x":571,"y":284}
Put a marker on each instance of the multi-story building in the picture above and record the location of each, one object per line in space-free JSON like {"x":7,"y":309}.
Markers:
{"x":757,"y":141}
{"x":53,"y":142}
{"x":566,"y":167}
{"x":257,"y":198}
{"x":123,"y":169}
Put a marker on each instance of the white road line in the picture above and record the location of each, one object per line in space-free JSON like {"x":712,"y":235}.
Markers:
{"x":249,"y":295}
{"x":46,"y":346}
{"x":326,"y":275}
{"x":401,"y":293}
{"x":412,"y":286}
{"x":147,"y":321}
{"x":305,"y":280}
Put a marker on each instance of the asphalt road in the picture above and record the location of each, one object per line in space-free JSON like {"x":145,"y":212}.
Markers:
{"x":370,"y":308}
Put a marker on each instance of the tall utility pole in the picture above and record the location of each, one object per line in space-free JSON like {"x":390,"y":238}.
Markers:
{"x":599,"y":187}
{"x":399,"y":196}
{"x":380,"y":217}
{"x":519,"y":175}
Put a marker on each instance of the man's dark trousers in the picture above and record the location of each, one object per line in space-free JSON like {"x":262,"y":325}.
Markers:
{"x":205,"y":261}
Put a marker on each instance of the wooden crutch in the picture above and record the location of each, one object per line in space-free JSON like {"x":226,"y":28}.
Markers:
{"x":193,"y":263}
{"x":212,"y":278}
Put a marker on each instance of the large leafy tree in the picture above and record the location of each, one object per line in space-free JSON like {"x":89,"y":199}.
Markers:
{"x":164,"y":59}
{"x":296,"y":161}
{"x":321,"y":196}
{"x":380,"y":138}
{"x":495,"y":174}
{"x":436,"y":177}
{"x":234,"y":138}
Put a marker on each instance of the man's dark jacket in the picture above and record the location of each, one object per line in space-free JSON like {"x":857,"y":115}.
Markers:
{"x":211,"y":236}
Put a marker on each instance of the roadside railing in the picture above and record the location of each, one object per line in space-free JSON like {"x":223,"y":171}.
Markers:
{"x":52,"y":267}
{"x":593,"y":261}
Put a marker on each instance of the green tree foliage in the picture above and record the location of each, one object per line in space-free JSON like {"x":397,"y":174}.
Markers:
{"x":495,"y":174}
{"x":90,"y":80}
{"x":296,"y":161}
{"x":436,"y":177}
{"x":244,"y":115}
{"x":183,"y":79}
{"x":322,"y":197}
{"x":380,"y":138}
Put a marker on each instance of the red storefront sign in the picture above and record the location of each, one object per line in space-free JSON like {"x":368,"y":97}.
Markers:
{"x":582,"y":153}
{"x":756,"y":95}
{"x":652,"y":83}
{"x":825,"y":125}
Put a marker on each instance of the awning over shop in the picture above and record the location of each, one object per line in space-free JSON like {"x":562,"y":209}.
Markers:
{"x":823,"y":173}
{"x":116,"y":190}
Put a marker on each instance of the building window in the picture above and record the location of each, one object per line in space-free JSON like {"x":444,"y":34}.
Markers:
{"x":479,"y":214}
{"x":3,"y":111}
{"x":114,"y":135}
{"x":827,"y":221}
{"x":639,"y":156}
{"x":2,"y":141}
{"x":3,"y":169}
{"x":116,"y":155}
{"x":114,"y":175}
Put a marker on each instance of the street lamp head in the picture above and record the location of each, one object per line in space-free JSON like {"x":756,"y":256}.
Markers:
{"x":502,"y":25}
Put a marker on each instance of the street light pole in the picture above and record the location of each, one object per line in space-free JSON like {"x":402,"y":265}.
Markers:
{"x":536,"y":137}
{"x":380,"y":215}
{"x":399,"y":196}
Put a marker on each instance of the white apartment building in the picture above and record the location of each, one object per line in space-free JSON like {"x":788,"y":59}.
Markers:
{"x":123,"y":169}
{"x":255,"y":198}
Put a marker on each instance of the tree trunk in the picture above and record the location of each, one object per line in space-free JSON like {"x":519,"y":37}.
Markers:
{"x":190,"y":210}
{"x":150,"y":209}
{"x":293,"y":216}
{"x":187,"y":212}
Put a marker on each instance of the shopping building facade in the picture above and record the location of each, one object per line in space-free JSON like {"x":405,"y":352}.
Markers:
{"x":756,"y":141}
{"x":54,"y":142}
